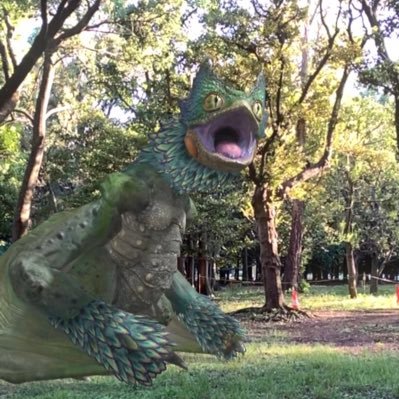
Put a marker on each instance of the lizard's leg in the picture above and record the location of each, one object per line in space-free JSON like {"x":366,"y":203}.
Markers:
{"x":134,"y":348}
{"x":216,"y":332}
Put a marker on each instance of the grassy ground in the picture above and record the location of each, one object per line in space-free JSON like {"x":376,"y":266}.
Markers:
{"x":318,"y":298}
{"x":274,"y":369}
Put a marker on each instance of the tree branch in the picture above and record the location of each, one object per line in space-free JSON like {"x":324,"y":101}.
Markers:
{"x":252,"y":174}
{"x":56,"y":110}
{"x":24,"y":113}
{"x":259,"y":10}
{"x":324,"y":59}
{"x":373,"y":21}
{"x":10,"y":30}
{"x":41,"y":42}
{"x":81,"y":25}
{"x":43,"y":11}
{"x":98,"y":24}
{"x":251,"y":48}
{"x":279,"y":116}
{"x":187,"y":16}
{"x":314,"y":169}
{"x":4,"y":61}
{"x":266,"y":149}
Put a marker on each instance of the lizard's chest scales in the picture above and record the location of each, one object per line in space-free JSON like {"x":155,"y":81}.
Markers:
{"x":146,"y":249}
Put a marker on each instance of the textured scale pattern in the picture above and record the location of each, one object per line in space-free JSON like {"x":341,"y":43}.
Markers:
{"x":134,"y":348}
{"x":183,"y":172}
{"x":167,"y":149}
{"x":124,"y":247}
{"x":206,"y":82}
{"x":216,"y":332}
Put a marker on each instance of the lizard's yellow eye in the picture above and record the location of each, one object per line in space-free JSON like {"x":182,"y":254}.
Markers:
{"x":213,"y":102}
{"x":257,"y":109}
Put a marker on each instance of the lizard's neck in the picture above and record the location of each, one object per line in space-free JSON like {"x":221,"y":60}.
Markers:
{"x":167,"y":154}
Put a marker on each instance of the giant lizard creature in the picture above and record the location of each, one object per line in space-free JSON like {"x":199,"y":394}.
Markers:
{"x":96,"y":290}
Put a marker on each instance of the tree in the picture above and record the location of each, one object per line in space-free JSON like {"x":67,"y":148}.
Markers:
{"x":381,"y":22}
{"x":355,"y":200}
{"x":24,"y":203}
{"x":49,"y":38}
{"x":117,"y":87}
{"x":371,"y":173}
{"x":269,"y":34}
{"x":12,"y":163}
{"x":293,"y":259}
{"x":107,"y":71}
{"x":51,"y":34}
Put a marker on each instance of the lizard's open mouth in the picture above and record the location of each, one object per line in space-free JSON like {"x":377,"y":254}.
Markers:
{"x":227,"y":142}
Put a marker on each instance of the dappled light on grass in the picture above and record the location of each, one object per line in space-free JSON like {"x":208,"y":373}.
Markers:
{"x":266,"y":371}
{"x":337,"y":298}
{"x":319,"y":298}
{"x":273,"y":367}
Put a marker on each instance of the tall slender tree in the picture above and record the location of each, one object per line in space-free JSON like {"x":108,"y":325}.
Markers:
{"x":51,"y":35}
{"x":268,"y":33}
{"x":381,"y":23}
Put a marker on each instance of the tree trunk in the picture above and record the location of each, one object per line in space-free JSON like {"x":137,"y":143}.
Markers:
{"x":190,"y":261}
{"x":397,"y":120}
{"x":258,"y":276}
{"x":348,"y":230}
{"x":9,"y":106}
{"x":292,"y":264}
{"x":190,"y":269}
{"x":352,"y":275}
{"x":374,"y":273}
{"x":203,"y":263}
{"x":245,"y":264}
{"x":265,"y":216}
{"x":249,"y":267}
{"x":202,"y":274}
{"x":210,"y":277}
{"x":180,"y":264}
{"x":21,"y":221}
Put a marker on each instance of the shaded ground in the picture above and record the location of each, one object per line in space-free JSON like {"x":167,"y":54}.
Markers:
{"x":280,"y":371}
{"x":351,"y":331}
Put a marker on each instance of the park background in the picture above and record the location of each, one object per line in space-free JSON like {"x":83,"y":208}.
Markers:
{"x":83,"y":83}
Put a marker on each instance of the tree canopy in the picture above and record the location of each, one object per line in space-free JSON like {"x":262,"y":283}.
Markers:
{"x":118,"y":70}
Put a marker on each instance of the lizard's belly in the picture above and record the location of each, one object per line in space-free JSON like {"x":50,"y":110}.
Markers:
{"x":145,"y":252}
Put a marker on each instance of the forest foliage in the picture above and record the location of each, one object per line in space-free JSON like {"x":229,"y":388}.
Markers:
{"x":333,"y":100}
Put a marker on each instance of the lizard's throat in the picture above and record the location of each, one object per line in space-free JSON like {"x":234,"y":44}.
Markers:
{"x":167,"y":152}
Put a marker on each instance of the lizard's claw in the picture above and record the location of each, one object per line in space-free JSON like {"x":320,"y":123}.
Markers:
{"x":134,"y":348}
{"x":217,"y":333}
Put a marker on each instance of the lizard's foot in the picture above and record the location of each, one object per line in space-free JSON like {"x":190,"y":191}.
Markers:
{"x":216,"y":332}
{"x":135,"y":349}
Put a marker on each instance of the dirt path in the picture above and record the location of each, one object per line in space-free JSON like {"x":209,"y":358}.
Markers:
{"x":354,"y":331}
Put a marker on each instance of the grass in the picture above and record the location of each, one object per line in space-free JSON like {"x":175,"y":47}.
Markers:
{"x":269,"y":370}
{"x":318,"y":298}
{"x":337,"y":298}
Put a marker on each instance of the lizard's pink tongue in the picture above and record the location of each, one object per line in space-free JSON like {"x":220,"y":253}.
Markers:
{"x":228,"y":149}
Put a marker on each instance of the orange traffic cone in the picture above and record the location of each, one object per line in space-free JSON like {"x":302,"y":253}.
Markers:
{"x":294,"y":299}
{"x":397,"y":293}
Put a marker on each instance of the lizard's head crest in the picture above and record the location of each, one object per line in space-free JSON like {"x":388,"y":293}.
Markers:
{"x":222,"y":123}
{"x":214,"y":138}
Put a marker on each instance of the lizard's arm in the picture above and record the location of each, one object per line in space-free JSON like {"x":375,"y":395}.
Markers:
{"x":216,"y":332}
{"x":132,"y":347}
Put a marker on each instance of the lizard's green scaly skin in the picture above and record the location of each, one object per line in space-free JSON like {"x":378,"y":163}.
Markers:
{"x":96,"y":290}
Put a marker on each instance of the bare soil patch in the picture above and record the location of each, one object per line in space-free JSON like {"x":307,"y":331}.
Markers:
{"x":353,"y":331}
